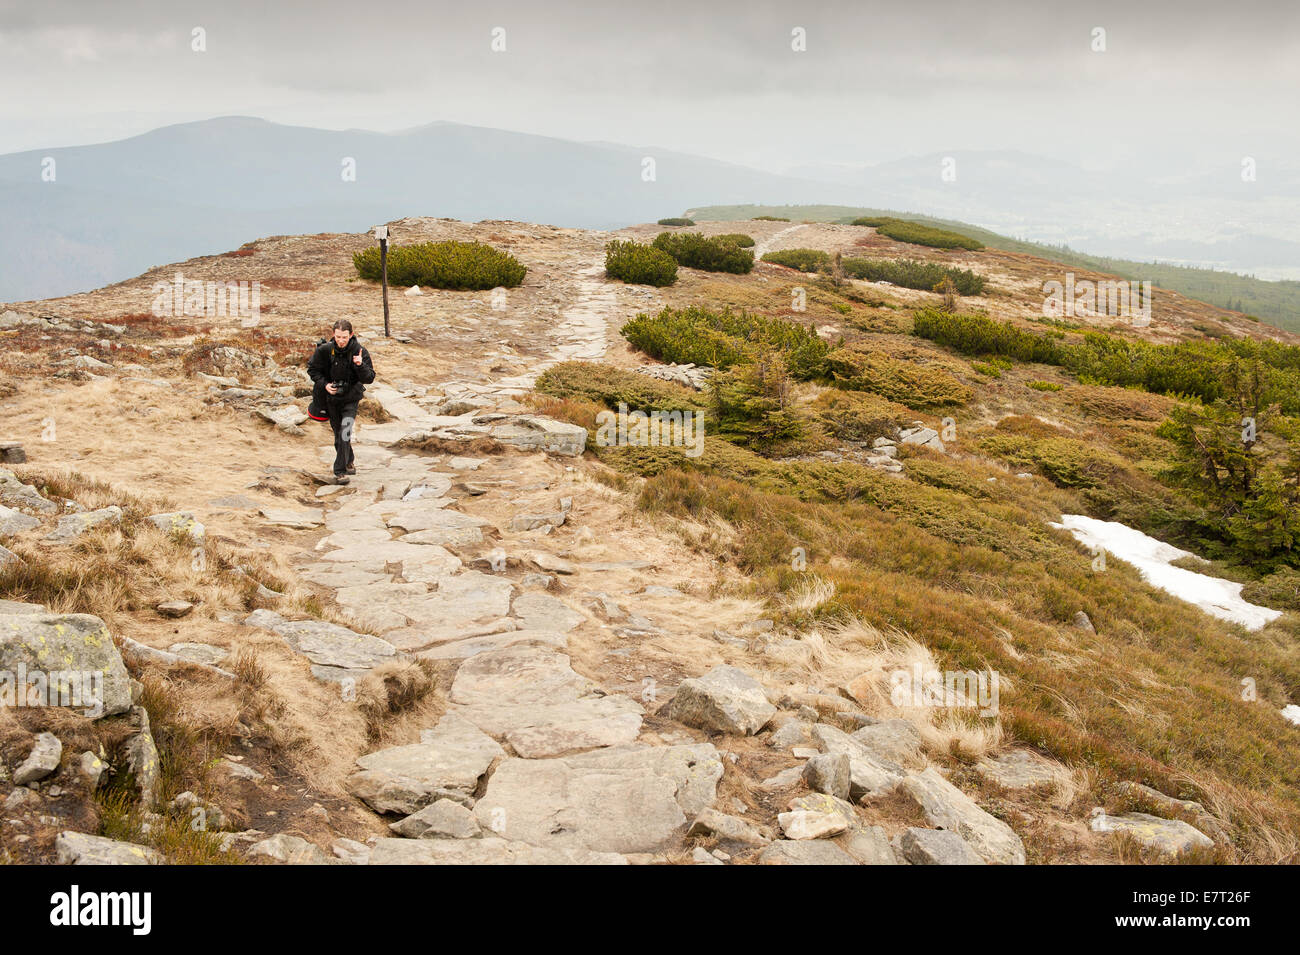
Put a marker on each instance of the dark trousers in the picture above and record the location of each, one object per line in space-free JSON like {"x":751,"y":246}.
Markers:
{"x":343,"y":415}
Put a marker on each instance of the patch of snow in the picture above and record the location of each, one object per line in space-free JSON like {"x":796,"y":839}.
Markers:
{"x":1216,"y":596}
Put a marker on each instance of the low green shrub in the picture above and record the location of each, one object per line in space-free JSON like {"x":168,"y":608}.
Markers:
{"x":444,"y":265}
{"x":769,"y":219}
{"x":738,"y":239}
{"x":1279,"y":590}
{"x":1044,"y":386}
{"x":869,"y":220}
{"x":696,"y":251}
{"x":607,"y":385}
{"x":676,"y":222}
{"x":805,"y":260}
{"x":913,"y":274}
{"x":639,"y":264}
{"x":901,"y":230}
{"x":726,"y":338}
{"x":859,"y":368}
{"x":857,"y":416}
{"x":752,"y":402}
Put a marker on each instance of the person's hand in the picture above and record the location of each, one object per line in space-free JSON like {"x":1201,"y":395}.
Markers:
{"x":356,"y":359}
{"x":331,"y":389}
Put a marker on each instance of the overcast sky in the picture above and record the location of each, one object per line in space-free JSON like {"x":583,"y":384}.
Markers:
{"x":1182,"y":83}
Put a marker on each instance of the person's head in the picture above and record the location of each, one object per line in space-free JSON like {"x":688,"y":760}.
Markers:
{"x":342,"y":332}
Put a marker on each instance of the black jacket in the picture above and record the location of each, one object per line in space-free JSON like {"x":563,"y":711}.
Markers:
{"x":330,"y":363}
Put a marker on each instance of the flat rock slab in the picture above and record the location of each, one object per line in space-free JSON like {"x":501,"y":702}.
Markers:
{"x":626,"y":799}
{"x":81,"y":663}
{"x":286,"y":517}
{"x":534,"y":433}
{"x":552,"y":729}
{"x":805,"y":852}
{"x":487,"y":851}
{"x":79,"y":848}
{"x":947,"y":807}
{"x":431,"y":514}
{"x":896,"y":740}
{"x":470,"y":646}
{"x":537,"y":611}
{"x":404,"y":779}
{"x":199,"y":652}
{"x":15,"y":522}
{"x":326,"y":644}
{"x":74,"y":525}
{"x":1169,"y":837}
{"x":340,"y":575}
{"x":1019,"y":769}
{"x":21,"y":607}
{"x":521,"y":674}
{"x":421,"y":637}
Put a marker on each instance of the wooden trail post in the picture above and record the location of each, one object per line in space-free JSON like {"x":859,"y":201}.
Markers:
{"x":381,"y":233}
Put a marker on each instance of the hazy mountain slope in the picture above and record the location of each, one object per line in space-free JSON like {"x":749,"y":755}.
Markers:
{"x":1275,"y":302}
{"x":118,"y":208}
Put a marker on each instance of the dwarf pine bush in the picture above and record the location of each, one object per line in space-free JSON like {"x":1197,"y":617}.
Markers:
{"x":901,"y":230}
{"x":913,"y":274}
{"x":445,"y":265}
{"x":723,"y":339}
{"x":805,"y":260}
{"x":639,"y":264}
{"x":737,"y":238}
{"x":676,"y":222}
{"x":695,"y":251}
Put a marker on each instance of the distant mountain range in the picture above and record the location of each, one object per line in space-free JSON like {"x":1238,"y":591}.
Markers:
{"x":117,"y":209}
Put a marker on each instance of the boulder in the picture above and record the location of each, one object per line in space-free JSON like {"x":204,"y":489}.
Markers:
{"x":79,"y":848}
{"x":174,"y":609}
{"x":74,"y":525}
{"x":178,"y":522}
{"x":936,"y":847}
{"x":405,"y":779}
{"x":895,"y":740}
{"x":725,"y":699}
{"x":1019,"y":769}
{"x":725,"y":828}
{"x":947,"y":807}
{"x":289,"y":850}
{"x":15,"y":522}
{"x":533,"y":433}
{"x":828,"y":773}
{"x":1169,"y":837}
{"x":41,"y":761}
{"x":442,"y":819}
{"x":75,"y":654}
{"x":869,"y":773}
{"x":869,"y":845}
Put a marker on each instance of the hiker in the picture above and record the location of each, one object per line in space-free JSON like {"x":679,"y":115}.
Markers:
{"x":340,"y":369}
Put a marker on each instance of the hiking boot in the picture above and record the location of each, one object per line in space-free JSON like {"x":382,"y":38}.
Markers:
{"x":352,"y":468}
{"x":341,"y":479}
